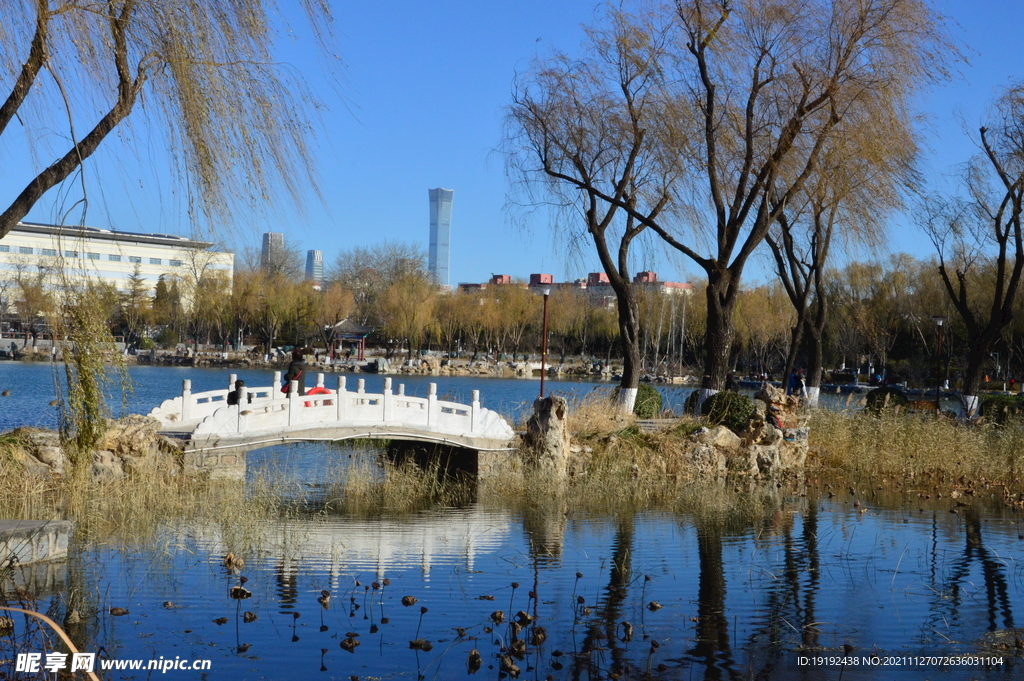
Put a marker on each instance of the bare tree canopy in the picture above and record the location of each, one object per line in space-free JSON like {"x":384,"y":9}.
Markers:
{"x":368,"y":272}
{"x":727,"y":106}
{"x":864,"y":173}
{"x":979,"y":240}
{"x":200,"y":72}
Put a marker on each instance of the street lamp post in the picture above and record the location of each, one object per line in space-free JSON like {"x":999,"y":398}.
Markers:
{"x":999,"y":367}
{"x":546,"y":291}
{"x":938,"y":362}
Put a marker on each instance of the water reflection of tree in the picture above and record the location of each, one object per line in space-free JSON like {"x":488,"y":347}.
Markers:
{"x":947,"y":603}
{"x":790,"y":608}
{"x":614,"y":597}
{"x":712,"y":646}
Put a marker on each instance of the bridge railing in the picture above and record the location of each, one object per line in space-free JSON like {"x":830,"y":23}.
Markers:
{"x":190,"y":407}
{"x":207,"y":414}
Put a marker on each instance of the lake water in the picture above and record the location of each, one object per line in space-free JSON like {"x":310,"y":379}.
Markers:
{"x":32,"y":389}
{"x":737,"y":597}
{"x":901,"y":589}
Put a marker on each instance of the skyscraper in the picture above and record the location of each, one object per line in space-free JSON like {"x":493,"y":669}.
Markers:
{"x":273,"y":247}
{"x":315,"y":267}
{"x":440,"y":234}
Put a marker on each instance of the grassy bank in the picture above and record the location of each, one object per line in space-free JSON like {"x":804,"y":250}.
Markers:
{"x":910,"y":446}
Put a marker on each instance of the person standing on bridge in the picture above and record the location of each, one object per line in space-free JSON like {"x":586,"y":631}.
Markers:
{"x":296,"y":372}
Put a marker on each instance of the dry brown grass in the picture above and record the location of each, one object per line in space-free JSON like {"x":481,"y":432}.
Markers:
{"x":594,"y":414}
{"x":134,"y":508}
{"x":908,"y":445}
{"x":365,"y":489}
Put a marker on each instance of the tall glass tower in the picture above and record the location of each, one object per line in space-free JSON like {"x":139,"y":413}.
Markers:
{"x":315,"y":267}
{"x":273,"y":247}
{"x":440,"y":234}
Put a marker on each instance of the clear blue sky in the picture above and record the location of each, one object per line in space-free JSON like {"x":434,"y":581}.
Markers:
{"x":420,"y":105}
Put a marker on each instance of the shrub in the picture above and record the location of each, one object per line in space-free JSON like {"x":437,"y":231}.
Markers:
{"x":648,"y":401}
{"x":1001,"y":408}
{"x":690,"y":405}
{"x":729,"y":409}
{"x":886,"y":397}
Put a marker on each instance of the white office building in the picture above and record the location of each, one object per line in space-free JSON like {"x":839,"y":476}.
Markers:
{"x":108,"y":255}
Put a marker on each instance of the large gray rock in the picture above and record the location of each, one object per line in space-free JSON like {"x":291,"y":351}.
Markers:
{"x":547,"y":436}
{"x":707,"y":460}
{"x":765,"y":460}
{"x":719,"y":436}
{"x":106,"y":467}
{"x":793,"y":448}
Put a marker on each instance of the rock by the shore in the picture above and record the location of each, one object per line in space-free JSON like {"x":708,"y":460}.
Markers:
{"x":131,"y":446}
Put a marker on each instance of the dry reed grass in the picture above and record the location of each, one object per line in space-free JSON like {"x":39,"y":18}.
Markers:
{"x":137,"y":507}
{"x":395,"y":489}
{"x":594,"y":414}
{"x":907,"y":446}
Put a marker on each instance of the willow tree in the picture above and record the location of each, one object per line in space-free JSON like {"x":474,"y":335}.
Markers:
{"x":407,"y":307}
{"x":199,"y":72}
{"x":861,"y":177}
{"x":981,"y":233}
{"x":743,"y":96}
{"x":580,"y":130}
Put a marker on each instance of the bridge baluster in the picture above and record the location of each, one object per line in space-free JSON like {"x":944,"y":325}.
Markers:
{"x":319,"y":380}
{"x":401,"y":389}
{"x":293,"y":403}
{"x":474,"y":411}
{"x":386,"y":401}
{"x":342,"y":398}
{"x":231,"y":381}
{"x":361,"y":386}
{"x":243,"y":401}
{"x":433,"y":410}
{"x":186,"y":399}
{"x":277,"y":382}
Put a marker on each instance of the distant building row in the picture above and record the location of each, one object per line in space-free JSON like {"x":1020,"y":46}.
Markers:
{"x":596,"y":283}
{"x":107,"y":255}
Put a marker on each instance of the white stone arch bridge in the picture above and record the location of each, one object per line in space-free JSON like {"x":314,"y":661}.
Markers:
{"x":217,"y":434}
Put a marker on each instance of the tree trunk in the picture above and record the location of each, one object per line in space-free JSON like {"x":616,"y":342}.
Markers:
{"x":629,"y":327}
{"x":977,"y":356}
{"x":812,"y":338}
{"x":796,"y":335}
{"x":718,"y":339}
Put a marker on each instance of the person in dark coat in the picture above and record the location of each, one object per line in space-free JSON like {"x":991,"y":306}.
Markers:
{"x":296,"y":372}
{"x":235,"y":395}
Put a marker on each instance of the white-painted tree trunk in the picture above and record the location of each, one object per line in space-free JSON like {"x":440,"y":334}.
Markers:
{"x":811,"y":399}
{"x":627,"y":400}
{"x":704,"y":394}
{"x":969,"y":406}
